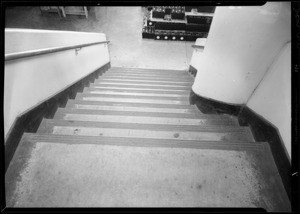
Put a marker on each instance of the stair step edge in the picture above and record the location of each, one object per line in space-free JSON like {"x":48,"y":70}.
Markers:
{"x":147,"y":142}
{"x":143,"y":119}
{"x":150,"y":69}
{"x":87,"y":93}
{"x":115,"y":90}
{"x":212,"y":128}
{"x":150,"y":77}
{"x":47,"y":126}
{"x":128,"y":113}
{"x":128,"y":78}
{"x":122,"y":99}
{"x":74,"y":105}
{"x":133,"y":104}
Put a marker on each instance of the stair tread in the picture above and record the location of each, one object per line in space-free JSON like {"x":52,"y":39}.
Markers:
{"x":175,"y":75}
{"x":161,"y":85}
{"x":140,"y":167}
{"x":132,"y":104}
{"x":139,"y":88}
{"x":148,"y":69}
{"x":159,"y":71}
{"x":211,"y":135}
{"x":134,"y":93}
{"x":147,"y":114}
{"x":195,"y":144}
{"x":73,"y":104}
{"x":91,"y":93}
{"x":147,"y":77}
{"x":143,"y":80}
{"x":215,"y":128}
{"x":141,"y":119}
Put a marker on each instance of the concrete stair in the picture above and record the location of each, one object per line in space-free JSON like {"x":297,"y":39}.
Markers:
{"x":132,"y":139}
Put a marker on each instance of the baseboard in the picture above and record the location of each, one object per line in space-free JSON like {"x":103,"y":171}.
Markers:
{"x":210,"y":106}
{"x":192,"y":70}
{"x":30,"y":121}
{"x":263,"y":130}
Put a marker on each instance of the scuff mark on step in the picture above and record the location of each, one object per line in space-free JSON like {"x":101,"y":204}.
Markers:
{"x":76,"y":131}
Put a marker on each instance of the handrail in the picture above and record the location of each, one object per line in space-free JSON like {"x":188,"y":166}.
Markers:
{"x":19,"y":55}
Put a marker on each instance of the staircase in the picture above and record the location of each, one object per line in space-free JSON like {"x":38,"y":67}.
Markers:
{"x":132,"y":139}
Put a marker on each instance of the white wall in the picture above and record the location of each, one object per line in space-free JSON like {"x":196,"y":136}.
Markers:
{"x":18,"y":40}
{"x":240,"y":47}
{"x":30,"y":81}
{"x":272,"y":98}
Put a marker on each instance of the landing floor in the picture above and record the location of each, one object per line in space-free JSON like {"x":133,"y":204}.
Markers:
{"x":123,"y":27}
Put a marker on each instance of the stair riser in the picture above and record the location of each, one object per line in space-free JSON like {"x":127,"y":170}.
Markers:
{"x":128,"y":80}
{"x":139,"y":88}
{"x":146,"y":85}
{"x":147,"y":77}
{"x":145,"y":114}
{"x":142,"y":86}
{"x":170,"y":72}
{"x":143,"y":80}
{"x":130,"y":93}
{"x":145,"y":74}
{"x":129,"y":133}
{"x":146,"y":69}
{"x":128,"y":96}
{"x":141,"y":120}
{"x":192,"y":115}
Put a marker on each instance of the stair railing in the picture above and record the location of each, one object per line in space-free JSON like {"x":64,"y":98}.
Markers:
{"x":31,"y":53}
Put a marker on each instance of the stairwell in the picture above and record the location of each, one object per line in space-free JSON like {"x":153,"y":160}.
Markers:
{"x":132,"y":139}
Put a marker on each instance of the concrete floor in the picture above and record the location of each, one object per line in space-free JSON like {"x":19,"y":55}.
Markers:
{"x":120,"y":176}
{"x":122,"y":26}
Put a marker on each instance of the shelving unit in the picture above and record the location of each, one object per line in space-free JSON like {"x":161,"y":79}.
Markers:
{"x":74,"y":11}
{"x":177,"y":23}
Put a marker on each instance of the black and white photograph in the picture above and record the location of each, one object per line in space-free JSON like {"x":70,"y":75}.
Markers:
{"x":150,"y":105}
